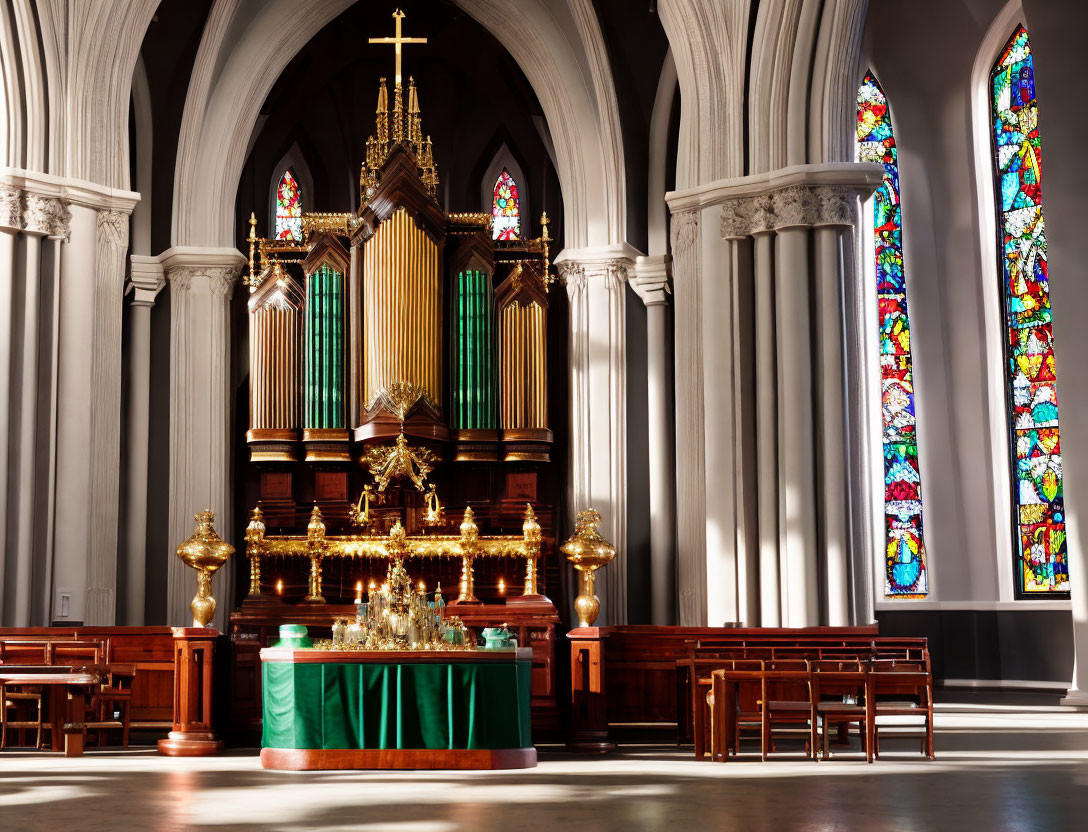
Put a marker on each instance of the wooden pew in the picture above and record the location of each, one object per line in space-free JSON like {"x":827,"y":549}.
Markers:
{"x":149,"y":649}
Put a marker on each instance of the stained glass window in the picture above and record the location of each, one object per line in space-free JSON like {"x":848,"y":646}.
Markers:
{"x":1029,"y":345}
{"x":905,"y":574}
{"x":506,"y":208}
{"x":288,"y":208}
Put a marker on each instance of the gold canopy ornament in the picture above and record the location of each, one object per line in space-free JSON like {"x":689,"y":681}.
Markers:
{"x":587,"y":552}
{"x":390,"y":462}
{"x":205,"y":551}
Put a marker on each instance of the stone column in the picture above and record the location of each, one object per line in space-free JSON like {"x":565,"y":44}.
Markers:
{"x":835,"y":215}
{"x":146,"y":278}
{"x":11,"y":222}
{"x":596,"y":281}
{"x":794,"y":209}
{"x":201,"y":282}
{"x":766,"y":404}
{"x":651,"y":281}
{"x":718,"y":276}
{"x":21,"y":531}
{"x":105,"y":416}
{"x":690,"y":458}
{"x":735,"y":223}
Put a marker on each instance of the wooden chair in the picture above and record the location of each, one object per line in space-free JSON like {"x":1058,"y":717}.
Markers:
{"x":109,"y":709}
{"x":903,"y":688}
{"x":17,"y":700}
{"x":840,"y":696}
{"x":786,"y":700}
{"x":734,"y":701}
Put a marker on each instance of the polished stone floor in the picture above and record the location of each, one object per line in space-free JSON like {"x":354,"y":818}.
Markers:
{"x":996,"y":769}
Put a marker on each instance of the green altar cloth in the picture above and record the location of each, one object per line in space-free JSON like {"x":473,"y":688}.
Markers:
{"x":396,"y":705}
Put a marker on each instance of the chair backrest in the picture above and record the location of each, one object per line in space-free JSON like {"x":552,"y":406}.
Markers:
{"x":120,"y":676}
{"x":831,"y":678}
{"x":77,"y":652}
{"x":19,"y":651}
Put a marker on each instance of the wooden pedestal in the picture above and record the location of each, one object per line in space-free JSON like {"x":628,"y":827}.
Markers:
{"x":588,"y":713}
{"x":193,"y":736}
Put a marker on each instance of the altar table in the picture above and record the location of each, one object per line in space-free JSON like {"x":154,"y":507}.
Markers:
{"x":383,"y":709}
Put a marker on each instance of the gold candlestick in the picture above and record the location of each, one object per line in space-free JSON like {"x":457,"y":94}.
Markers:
{"x":254,"y":535}
{"x":587,"y":552}
{"x":315,"y":537}
{"x":205,"y":551}
{"x":530,"y":530}
{"x":470,"y":539}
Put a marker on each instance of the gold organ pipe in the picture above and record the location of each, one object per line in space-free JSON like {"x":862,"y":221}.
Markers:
{"x":401,"y":309}
{"x":523,"y":371}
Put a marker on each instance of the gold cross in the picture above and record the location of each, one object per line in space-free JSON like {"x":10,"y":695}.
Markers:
{"x":397,"y":40}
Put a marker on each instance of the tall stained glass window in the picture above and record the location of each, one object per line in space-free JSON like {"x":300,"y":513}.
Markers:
{"x":1032,"y":394}
{"x":288,"y":208}
{"x":905,"y":574}
{"x":506,"y":208}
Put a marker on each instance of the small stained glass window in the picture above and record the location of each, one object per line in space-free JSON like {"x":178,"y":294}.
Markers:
{"x":288,"y":208}
{"x":905,"y":572}
{"x":1040,"y":543}
{"x":506,"y":208}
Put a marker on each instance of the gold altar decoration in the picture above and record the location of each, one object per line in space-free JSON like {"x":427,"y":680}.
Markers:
{"x":587,"y":552}
{"x":433,"y":514}
{"x":205,"y":552}
{"x":398,"y":616}
{"x":359,"y":514}
{"x":254,"y":533}
{"x":468,"y":545}
{"x":399,"y":460}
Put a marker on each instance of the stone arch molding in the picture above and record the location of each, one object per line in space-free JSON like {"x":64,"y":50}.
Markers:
{"x":246,"y":46}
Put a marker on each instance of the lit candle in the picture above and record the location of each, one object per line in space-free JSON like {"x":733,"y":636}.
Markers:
{"x":502,"y":586}
{"x":358,"y":592}
{"x":279,"y":587}
{"x":422,"y":586}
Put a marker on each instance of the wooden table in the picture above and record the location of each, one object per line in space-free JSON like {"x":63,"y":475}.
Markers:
{"x":396,"y":709}
{"x":68,"y":692}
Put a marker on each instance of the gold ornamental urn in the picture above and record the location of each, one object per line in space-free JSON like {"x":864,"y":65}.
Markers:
{"x":587,"y":552}
{"x":205,"y":551}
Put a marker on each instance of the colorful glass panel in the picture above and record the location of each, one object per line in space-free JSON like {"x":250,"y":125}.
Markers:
{"x":1033,"y":396}
{"x":506,"y":208}
{"x":288,"y":208}
{"x":905,"y":573}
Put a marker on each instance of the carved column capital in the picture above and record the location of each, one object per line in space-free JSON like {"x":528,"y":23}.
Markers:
{"x":616,"y":273}
{"x":652,"y":279}
{"x":835,"y":205}
{"x":47,"y":215}
{"x":762,"y":213}
{"x":145,"y":280}
{"x":795,"y":206}
{"x":220,"y":280}
{"x":685,"y":231}
{"x":11,"y":206}
{"x":113,"y":227}
{"x":572,"y":274}
{"x":737,"y":217}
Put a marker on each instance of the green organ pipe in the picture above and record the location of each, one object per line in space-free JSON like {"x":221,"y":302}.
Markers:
{"x":324,"y":366}
{"x":474,"y":403}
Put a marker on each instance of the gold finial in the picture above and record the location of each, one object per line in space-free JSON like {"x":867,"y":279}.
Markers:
{"x":205,"y":551}
{"x":587,"y":551}
{"x":252,"y":239}
{"x":545,"y":247}
{"x":398,"y":41}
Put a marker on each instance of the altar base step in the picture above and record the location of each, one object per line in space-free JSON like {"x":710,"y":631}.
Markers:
{"x":316,"y":759}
